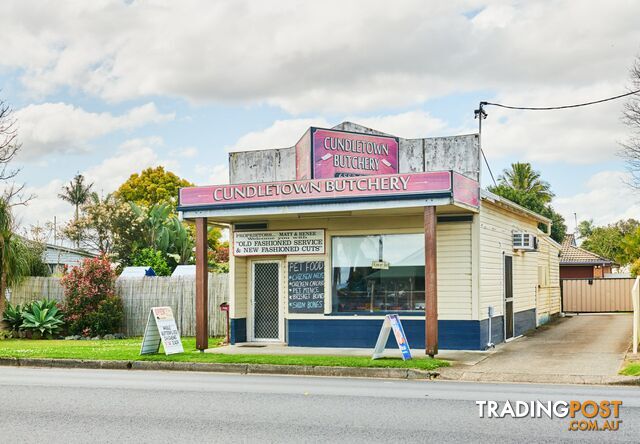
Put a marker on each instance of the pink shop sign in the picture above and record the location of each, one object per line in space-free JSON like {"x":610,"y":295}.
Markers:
{"x":321,"y":190}
{"x":345,"y":154}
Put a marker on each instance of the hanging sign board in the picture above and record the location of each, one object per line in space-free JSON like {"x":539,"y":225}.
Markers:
{"x":259,"y":243}
{"x":392,"y":322}
{"x":161,"y":328}
{"x":306,"y":287}
{"x":380,"y":265}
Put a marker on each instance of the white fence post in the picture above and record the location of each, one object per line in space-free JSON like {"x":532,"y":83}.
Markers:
{"x":635,"y":297}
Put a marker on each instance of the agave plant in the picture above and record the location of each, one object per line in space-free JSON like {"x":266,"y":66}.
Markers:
{"x":44,"y":317}
{"x":13,"y":316}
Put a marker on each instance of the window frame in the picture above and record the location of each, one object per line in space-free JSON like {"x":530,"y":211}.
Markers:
{"x":331,"y":288}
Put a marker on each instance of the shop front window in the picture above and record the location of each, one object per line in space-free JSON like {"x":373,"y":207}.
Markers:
{"x":380,"y":273}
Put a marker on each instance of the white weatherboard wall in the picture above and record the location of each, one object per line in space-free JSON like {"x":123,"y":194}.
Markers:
{"x":454,"y":261}
{"x":496,"y":229}
{"x":548,"y":298}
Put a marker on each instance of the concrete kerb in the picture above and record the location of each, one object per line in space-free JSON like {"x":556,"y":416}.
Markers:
{"x":262,"y":369}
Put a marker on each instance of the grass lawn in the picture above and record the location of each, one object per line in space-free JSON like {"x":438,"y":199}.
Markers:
{"x":632,"y":369}
{"x":129,"y":349}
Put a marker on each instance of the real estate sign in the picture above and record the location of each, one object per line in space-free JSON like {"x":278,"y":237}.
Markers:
{"x":161,"y":328}
{"x":392,"y":322}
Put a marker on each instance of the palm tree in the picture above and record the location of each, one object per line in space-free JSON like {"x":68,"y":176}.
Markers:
{"x":76,"y":193}
{"x":523,"y":177}
{"x":14,"y":264}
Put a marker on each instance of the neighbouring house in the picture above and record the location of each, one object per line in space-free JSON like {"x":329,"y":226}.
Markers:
{"x":578,"y":263}
{"x":57,"y":257}
{"x":351,"y":224}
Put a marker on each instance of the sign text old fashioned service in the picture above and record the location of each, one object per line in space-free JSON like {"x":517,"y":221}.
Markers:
{"x":257,"y":243}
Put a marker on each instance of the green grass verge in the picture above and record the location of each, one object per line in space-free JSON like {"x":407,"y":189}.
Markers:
{"x":632,"y":369}
{"x":129,"y":349}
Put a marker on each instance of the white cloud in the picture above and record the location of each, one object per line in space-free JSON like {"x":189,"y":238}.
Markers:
{"x":606,"y":198}
{"x":317,"y":56}
{"x":281,"y":134}
{"x":213,"y":175}
{"x":285,"y":133}
{"x":187,"y":152}
{"x":63,"y":128}
{"x":132,"y":156}
{"x":577,"y":136}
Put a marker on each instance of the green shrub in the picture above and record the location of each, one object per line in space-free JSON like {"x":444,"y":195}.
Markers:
{"x":635,"y":268}
{"x":108,"y":316}
{"x":42,"y":318}
{"x":13,"y":316}
{"x":89,"y":292}
{"x":148,"y":257}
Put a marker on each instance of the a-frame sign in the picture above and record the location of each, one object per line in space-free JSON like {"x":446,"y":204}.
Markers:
{"x":161,"y":328}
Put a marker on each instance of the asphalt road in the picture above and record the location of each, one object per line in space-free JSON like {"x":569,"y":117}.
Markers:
{"x":89,"y":406}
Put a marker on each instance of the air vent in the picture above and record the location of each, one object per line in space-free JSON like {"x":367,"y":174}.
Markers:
{"x":524,"y":241}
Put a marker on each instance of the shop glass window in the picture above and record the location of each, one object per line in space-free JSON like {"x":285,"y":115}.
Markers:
{"x":377,"y":274}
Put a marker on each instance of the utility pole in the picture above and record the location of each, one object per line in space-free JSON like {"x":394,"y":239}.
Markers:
{"x":480,"y":114}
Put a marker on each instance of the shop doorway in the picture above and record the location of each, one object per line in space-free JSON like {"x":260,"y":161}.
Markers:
{"x":265,"y":301}
{"x":508,"y":297}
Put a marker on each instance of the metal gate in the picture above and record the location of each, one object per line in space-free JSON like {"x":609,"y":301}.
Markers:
{"x":597,"y":295}
{"x":266,"y":301}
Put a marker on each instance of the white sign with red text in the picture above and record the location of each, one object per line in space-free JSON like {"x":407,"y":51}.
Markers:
{"x":161,"y":328}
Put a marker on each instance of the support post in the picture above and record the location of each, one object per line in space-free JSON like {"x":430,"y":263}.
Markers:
{"x":430,"y":281}
{"x":202,"y":286}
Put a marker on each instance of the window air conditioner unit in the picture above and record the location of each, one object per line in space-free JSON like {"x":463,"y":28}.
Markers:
{"x":524,"y":241}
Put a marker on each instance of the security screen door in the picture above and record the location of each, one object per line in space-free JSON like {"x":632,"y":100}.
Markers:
{"x":508,"y":297}
{"x":266,"y":297}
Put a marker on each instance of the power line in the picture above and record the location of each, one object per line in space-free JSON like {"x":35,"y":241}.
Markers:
{"x":480,"y":114}
{"x":488,"y":167}
{"x":549,"y":108}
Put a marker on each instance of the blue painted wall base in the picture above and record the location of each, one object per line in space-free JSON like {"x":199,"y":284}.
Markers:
{"x":363,"y":333}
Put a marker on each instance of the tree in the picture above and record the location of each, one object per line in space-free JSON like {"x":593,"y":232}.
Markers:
{"x":107,"y":225}
{"x":523,"y":185}
{"x":524,"y":178}
{"x":13,"y":263}
{"x":585,"y":228}
{"x":152,"y":186}
{"x":619,"y":241}
{"x":9,"y":145}
{"x":76,"y":193}
{"x":631,"y":118}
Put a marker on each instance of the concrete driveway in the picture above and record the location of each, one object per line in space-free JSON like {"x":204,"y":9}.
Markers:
{"x":575,"y":349}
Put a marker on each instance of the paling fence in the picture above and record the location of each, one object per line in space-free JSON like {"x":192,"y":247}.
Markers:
{"x":140,"y":294}
{"x":597,"y":295}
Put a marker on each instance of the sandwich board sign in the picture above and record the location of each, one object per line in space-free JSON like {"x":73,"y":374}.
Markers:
{"x":161,"y":328}
{"x":392,"y":322}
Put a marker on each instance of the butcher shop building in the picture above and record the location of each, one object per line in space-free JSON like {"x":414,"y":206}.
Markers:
{"x":351,"y":224}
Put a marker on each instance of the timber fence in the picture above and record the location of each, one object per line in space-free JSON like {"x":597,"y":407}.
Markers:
{"x":140,"y":294}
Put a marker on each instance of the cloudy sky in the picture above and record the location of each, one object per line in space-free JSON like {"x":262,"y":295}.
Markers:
{"x":109,"y":87}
